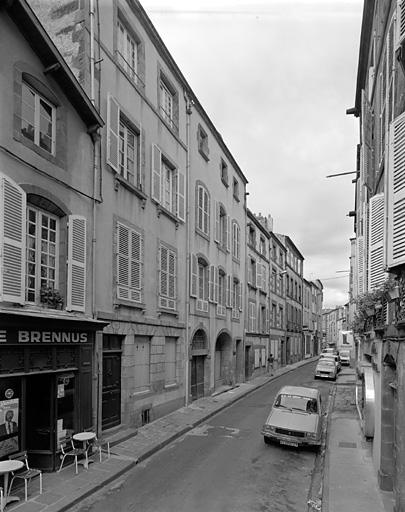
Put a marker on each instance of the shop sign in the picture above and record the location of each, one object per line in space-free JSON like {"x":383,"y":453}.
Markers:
{"x":52,"y":337}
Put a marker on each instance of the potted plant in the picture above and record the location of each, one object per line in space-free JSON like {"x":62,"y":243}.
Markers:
{"x":51,"y":297}
{"x":392,"y":294}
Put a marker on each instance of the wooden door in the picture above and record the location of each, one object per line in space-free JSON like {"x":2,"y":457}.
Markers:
{"x":111,"y":412}
{"x":197,"y":377}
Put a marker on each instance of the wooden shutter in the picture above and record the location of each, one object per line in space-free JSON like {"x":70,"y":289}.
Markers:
{"x":181,"y":195}
{"x":129,"y":264}
{"x":401,"y":22}
{"x":228,"y":233}
{"x":396,"y":194}
{"x":367,"y":165}
{"x":213,"y":294}
{"x":229,"y":291}
{"x":217,"y":221}
{"x":76,"y":264}
{"x":156,"y":173}
{"x":193,"y":275}
{"x":113,"y":127}
{"x":360,"y":265}
{"x":12,"y":241}
{"x":167,"y":278}
{"x":240,"y":297}
{"x":376,"y":274}
{"x":258,"y":274}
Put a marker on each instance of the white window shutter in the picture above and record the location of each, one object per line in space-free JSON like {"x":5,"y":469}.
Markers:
{"x":156,"y":173}
{"x":264,"y":278}
{"x":240,"y":296}
{"x":367,"y":165}
{"x":193,"y":275}
{"x":228,"y":291}
{"x":163,"y":270}
{"x":259,"y":275}
{"x":212,"y":277}
{"x":181,"y":195}
{"x":401,"y":21}
{"x":76,"y":264}
{"x":376,"y":274}
{"x":129,"y":264}
{"x":217,"y":221}
{"x":396,"y":194}
{"x":13,"y":209}
{"x":360,"y":265}
{"x":113,"y":128}
{"x":228,"y":233}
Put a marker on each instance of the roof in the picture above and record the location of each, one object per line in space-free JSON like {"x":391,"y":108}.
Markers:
{"x":40,"y":42}
{"x":300,"y":390}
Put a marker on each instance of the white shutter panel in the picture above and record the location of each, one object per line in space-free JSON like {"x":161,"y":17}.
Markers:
{"x":13,"y":208}
{"x":376,"y":274}
{"x":228,"y":233}
{"x":264,"y":278}
{"x":217,"y":221}
{"x":156,"y":173}
{"x":360,"y":265}
{"x":163,"y":270}
{"x":401,"y":21}
{"x":267,"y":320}
{"x":193,"y":275}
{"x":240,"y":297}
{"x":228,"y":291}
{"x":129,"y":264}
{"x":181,"y":195}
{"x":212,"y":297}
{"x":76,"y":264}
{"x":113,"y":127}
{"x":367,"y":165}
{"x":258,"y":274}
{"x":396,"y":194}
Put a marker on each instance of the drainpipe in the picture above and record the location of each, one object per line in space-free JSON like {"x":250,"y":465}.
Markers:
{"x":189,"y":105}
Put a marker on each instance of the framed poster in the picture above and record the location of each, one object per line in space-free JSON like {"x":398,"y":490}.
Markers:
{"x":9,"y":426}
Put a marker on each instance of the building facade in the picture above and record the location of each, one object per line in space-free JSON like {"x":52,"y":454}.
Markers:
{"x":48,"y":332}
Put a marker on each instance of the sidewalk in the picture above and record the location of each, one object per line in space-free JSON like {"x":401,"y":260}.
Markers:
{"x":349,"y":481}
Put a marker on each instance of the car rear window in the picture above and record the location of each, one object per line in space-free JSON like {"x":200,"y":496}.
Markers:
{"x":325,"y":362}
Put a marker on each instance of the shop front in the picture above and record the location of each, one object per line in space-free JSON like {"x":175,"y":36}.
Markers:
{"x":46,"y":370}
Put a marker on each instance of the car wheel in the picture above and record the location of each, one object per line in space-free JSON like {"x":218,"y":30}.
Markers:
{"x":266,"y":440}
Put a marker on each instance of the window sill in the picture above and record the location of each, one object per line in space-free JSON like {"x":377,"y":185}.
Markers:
{"x":138,"y":394}
{"x":120,"y":181}
{"x":171,"y":387}
{"x":201,"y":233}
{"x":160,"y":209}
{"x":204,"y":154}
{"x":225,"y":182}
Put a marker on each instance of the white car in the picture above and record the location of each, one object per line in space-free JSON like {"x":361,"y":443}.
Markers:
{"x":345,"y":357}
{"x":325,"y":369}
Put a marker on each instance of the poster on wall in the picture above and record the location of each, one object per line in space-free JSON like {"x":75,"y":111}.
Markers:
{"x":9,"y":422}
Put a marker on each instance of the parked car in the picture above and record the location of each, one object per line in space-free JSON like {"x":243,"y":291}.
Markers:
{"x":326,"y":369}
{"x":295,"y":418}
{"x":329,"y":350}
{"x":345,"y":357}
{"x":333,"y":357}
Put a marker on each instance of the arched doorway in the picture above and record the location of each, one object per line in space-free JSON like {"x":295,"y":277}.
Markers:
{"x":199,"y":351}
{"x":224,"y":369}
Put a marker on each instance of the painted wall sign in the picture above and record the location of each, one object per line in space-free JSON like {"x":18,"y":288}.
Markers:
{"x":53,"y":337}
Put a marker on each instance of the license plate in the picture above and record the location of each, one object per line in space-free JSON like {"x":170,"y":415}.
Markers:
{"x":289,"y":443}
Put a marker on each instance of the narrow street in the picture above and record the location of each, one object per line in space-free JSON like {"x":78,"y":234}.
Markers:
{"x":222,"y":465}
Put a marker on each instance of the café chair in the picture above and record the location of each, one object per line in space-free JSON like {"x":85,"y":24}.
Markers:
{"x":98,"y":443}
{"x":1,"y":500}
{"x":68,"y":449}
{"x":25,"y":473}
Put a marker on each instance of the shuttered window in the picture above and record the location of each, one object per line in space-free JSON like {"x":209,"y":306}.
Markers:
{"x":367,"y":160}
{"x":376,"y":274}
{"x":12,"y":241}
{"x":129,"y":264}
{"x":203,"y":214}
{"x":168,"y":185}
{"x":168,"y":278}
{"x":76,"y":263}
{"x":141,"y":364}
{"x":360,"y":265}
{"x":396,"y":194}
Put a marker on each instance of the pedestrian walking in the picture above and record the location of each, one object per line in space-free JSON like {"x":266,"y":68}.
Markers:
{"x":270,"y":362}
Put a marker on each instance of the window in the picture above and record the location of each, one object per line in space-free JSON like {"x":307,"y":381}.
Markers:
{"x":200,"y":282}
{"x":38,"y":119}
{"x":142,"y":364}
{"x":168,"y":278}
{"x":224,"y":173}
{"x":221,"y":292}
{"x":264,"y":319}
{"x":170,"y":360}
{"x":124,"y":145}
{"x":252,"y":316}
{"x":127,"y":51}
{"x":202,"y":138}
{"x":281,"y":316}
{"x":235,"y":189}
{"x":203,"y":210}
{"x":235,"y":240}
{"x":166,"y":104}
{"x":30,"y":248}
{"x":262,"y":246}
{"x":129,"y":264}
{"x":222,"y":227}
{"x":168,"y":185}
{"x":128,"y":154}
{"x":252,"y":236}
{"x":252,"y":272}
{"x":42,"y":252}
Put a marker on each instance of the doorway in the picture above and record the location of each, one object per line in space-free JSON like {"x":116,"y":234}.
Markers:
{"x":197,"y":377}
{"x":111,"y":393}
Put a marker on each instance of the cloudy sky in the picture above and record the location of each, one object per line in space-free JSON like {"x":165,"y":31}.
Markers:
{"x":276,"y":78}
